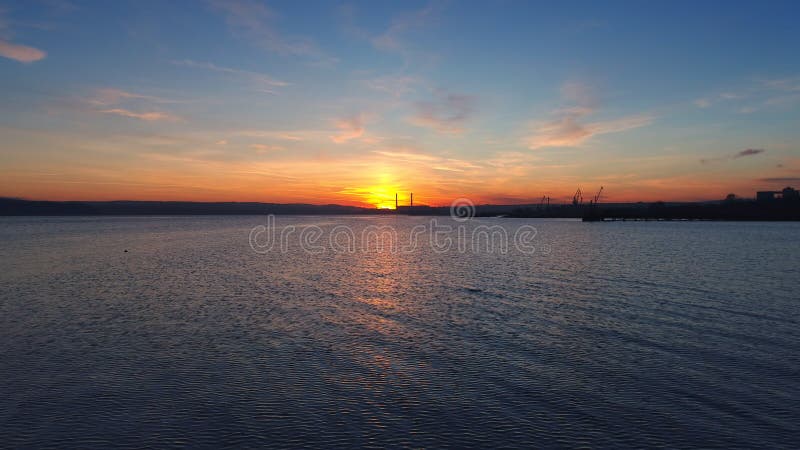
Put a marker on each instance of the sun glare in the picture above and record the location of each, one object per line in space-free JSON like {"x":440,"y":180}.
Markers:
{"x":380,"y":196}
{"x":380,"y":193}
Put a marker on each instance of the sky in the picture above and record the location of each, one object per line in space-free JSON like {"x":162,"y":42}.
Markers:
{"x":323,"y":102}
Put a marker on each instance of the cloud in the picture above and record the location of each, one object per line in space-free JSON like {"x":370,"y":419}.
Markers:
{"x":397,"y":86}
{"x":350,"y":128}
{"x":784,"y":84}
{"x":747,"y":109}
{"x":568,"y":131}
{"x":283,"y":135}
{"x":266,"y":82}
{"x":783,"y":180}
{"x":737,"y":155}
{"x":428,"y":161}
{"x":17,"y":52}
{"x":702,"y":103}
{"x":759,"y":95}
{"x":254,"y":21}
{"x":563,"y":132}
{"x":21,"y":53}
{"x":749,"y":152}
{"x":111,"y":96}
{"x":123,"y":103}
{"x":446,"y":114}
{"x":146,"y":116}
{"x":395,"y":37}
{"x":569,"y":127}
{"x":579,"y":94}
{"x":406,"y":155}
{"x":392,"y":38}
{"x":263,"y":148}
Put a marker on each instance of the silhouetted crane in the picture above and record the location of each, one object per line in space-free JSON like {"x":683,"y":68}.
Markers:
{"x":544,"y":203}
{"x":597,"y":197}
{"x":577,"y":199}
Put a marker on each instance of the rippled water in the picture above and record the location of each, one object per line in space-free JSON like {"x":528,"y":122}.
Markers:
{"x":610,"y":334}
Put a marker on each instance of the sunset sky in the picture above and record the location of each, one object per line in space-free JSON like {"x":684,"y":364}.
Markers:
{"x":324,"y":102}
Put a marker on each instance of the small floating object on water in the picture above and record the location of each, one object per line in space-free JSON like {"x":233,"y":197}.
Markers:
{"x":474,"y":289}
{"x":126,"y":250}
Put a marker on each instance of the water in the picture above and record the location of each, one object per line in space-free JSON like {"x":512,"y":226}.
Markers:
{"x":608,"y":335}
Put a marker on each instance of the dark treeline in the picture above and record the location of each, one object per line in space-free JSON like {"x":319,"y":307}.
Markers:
{"x":17,"y":207}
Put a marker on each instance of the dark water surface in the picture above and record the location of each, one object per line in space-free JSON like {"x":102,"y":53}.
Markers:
{"x":610,"y":335}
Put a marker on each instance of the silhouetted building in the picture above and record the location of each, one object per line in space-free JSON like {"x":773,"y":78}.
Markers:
{"x":787,"y":193}
{"x":766,"y":196}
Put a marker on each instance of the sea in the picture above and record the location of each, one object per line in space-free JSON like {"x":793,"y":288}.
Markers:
{"x":397,"y":331}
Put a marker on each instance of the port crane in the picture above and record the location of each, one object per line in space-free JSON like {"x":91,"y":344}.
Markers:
{"x":544,"y":203}
{"x":596,"y":197}
{"x":577,"y":199}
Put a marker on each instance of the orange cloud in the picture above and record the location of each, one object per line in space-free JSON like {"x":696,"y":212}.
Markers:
{"x":351,"y":128}
{"x":567,"y":131}
{"x":147,"y":116}
{"x":112,"y":96}
{"x":263,"y":148}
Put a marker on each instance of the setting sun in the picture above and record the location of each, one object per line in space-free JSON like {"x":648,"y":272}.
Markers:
{"x":382,"y":197}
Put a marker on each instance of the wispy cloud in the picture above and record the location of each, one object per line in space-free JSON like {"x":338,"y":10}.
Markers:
{"x":264,"y":82}
{"x":758,"y":95}
{"x":428,"y":161}
{"x":150,"y":116}
{"x":299,"y":135}
{"x":707,"y":102}
{"x":702,"y":103}
{"x":395,"y":85}
{"x":396,"y":37}
{"x":406,"y":155}
{"x":264,"y":148}
{"x":567,"y":131}
{"x":784,"y":84}
{"x":783,"y":180}
{"x":447,"y":113}
{"x":254,"y":21}
{"x":392,"y":38}
{"x":133,"y":105}
{"x":112,"y":96}
{"x":570,"y":129}
{"x":737,"y":155}
{"x":349,"y":128}
{"x":17,"y":52}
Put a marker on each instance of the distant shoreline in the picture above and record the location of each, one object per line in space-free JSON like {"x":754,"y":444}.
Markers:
{"x":751,"y":210}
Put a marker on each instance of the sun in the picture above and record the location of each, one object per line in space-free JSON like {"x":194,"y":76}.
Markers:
{"x":378,"y":190}
{"x":382,"y":197}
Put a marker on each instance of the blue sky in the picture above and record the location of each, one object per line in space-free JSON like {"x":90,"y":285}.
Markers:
{"x":349,"y":102}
